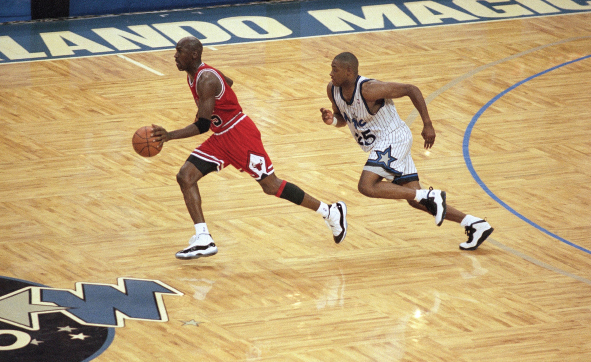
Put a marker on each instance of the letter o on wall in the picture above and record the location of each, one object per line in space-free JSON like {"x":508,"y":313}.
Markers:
{"x":239,"y":26}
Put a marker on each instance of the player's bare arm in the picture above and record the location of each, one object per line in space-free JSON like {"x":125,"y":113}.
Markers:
{"x":328,"y":115}
{"x":208,"y":87}
{"x":162,"y":135}
{"x":374,"y":91}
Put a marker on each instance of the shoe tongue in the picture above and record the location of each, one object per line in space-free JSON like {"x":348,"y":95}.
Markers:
{"x":201,"y":239}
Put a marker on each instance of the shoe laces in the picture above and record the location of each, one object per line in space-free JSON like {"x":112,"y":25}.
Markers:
{"x":329,"y":219}
{"x":331,"y":224}
{"x":194,"y":238}
{"x":428,"y":202}
{"x":470,"y":231}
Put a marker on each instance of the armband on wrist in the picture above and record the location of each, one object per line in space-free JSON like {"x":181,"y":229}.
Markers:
{"x":335,"y":121}
{"x":203,"y":124}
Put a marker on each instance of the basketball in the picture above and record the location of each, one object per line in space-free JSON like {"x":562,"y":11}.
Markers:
{"x":144,"y":144}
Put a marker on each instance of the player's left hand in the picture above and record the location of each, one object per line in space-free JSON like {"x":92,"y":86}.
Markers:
{"x":160,"y":134}
{"x":428,"y":135}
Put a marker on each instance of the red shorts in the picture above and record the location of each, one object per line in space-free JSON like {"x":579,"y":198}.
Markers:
{"x":241,"y":146}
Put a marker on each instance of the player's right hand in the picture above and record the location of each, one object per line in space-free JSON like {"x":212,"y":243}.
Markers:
{"x":327,"y":115}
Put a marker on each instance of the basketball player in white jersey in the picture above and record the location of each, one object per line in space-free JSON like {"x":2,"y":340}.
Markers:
{"x":366,"y":106}
{"x":235,"y":141}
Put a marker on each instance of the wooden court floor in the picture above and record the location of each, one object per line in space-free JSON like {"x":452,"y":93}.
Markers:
{"x":78,"y":205}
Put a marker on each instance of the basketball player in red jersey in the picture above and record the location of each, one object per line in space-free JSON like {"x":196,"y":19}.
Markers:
{"x":235,"y":141}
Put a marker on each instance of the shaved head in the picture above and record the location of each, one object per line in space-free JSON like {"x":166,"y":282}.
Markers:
{"x":348,"y":60}
{"x":191,"y":43}
{"x":188,"y":54}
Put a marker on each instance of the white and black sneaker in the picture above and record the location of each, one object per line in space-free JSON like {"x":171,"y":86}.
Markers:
{"x":435,"y":204}
{"x":199,"y":246}
{"x":477,"y":232}
{"x":337,"y":221}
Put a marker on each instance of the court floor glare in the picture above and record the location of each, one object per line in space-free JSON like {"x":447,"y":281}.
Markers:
{"x":78,"y":205}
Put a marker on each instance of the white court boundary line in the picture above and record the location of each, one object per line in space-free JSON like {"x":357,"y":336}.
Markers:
{"x":140,"y":64}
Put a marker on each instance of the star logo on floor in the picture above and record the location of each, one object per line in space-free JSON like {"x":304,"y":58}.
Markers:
{"x":80,"y":336}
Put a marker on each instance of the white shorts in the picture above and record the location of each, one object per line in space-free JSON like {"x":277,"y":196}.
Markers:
{"x":390,"y":157}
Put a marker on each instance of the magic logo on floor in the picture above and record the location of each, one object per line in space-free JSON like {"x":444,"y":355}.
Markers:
{"x":39,"y":323}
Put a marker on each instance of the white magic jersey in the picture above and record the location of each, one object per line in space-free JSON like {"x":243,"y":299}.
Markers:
{"x":384,"y":135}
{"x":367,"y":128}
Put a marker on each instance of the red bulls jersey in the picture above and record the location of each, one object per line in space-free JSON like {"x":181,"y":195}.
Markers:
{"x":227,"y":111}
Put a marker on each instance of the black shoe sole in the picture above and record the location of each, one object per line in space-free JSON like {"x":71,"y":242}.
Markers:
{"x":343,"y":222}
{"x":195,"y":257}
{"x":444,"y":208}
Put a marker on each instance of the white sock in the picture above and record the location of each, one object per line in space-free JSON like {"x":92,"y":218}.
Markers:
{"x":421,"y":194}
{"x":201,"y":228}
{"x":323,"y":210}
{"x":469,"y":220}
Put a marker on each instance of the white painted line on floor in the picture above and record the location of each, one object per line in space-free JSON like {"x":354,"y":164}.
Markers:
{"x":140,"y":64}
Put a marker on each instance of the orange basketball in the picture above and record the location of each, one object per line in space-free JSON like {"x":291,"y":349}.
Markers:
{"x":144,"y":144}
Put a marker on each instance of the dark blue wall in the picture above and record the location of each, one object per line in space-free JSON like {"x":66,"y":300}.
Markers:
{"x":15,"y":10}
{"x":22,"y":10}
{"x":93,"y":7}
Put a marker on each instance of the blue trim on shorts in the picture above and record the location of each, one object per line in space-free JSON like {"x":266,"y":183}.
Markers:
{"x":374,"y":163}
{"x":405,"y":179}
{"x":399,"y":178}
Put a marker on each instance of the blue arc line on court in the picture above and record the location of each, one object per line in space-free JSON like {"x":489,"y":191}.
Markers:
{"x":466,"y":151}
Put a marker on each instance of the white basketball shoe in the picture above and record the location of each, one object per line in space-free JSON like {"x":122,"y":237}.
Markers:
{"x":337,"y":221}
{"x":477,"y":232}
{"x":199,"y":246}
{"x":435,"y":204}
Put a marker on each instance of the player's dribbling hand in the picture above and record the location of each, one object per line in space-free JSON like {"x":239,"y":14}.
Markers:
{"x":160,"y":134}
{"x":326,"y":116}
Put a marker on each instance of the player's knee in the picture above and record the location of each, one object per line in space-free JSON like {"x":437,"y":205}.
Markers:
{"x":184,"y":179}
{"x":188,"y":176}
{"x":362,"y":189}
{"x":270,"y":189}
{"x":270,"y":184}
{"x":181,"y":179}
{"x":366,"y":189}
